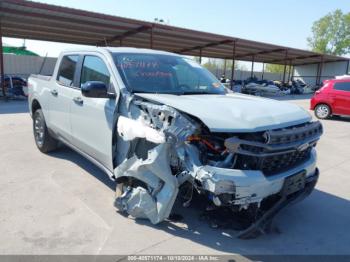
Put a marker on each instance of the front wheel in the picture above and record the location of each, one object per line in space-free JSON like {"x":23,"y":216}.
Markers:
{"x":43,"y":140}
{"x":322,"y":111}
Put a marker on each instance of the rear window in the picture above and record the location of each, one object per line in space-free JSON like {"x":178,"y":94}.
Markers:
{"x":342,"y":86}
{"x":66,"y":71}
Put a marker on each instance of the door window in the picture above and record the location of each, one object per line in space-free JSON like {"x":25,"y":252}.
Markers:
{"x":342,"y":86}
{"x":94,"y":69}
{"x":66,"y":71}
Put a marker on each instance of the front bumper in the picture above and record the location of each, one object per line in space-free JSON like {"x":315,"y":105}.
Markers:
{"x":250,"y":186}
{"x":263,"y":224}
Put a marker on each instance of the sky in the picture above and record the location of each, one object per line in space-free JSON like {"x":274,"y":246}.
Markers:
{"x":286,"y":22}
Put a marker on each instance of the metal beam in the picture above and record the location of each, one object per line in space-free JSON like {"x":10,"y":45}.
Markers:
{"x":325,"y":62}
{"x":293,"y":58}
{"x":263,"y":52}
{"x":263,"y":72}
{"x":200,"y":56}
{"x":319,"y":71}
{"x":126,"y":34}
{"x":233,"y":64}
{"x":58,"y":19}
{"x":290,"y":70}
{"x":2,"y":75}
{"x":19,"y":4}
{"x":285,"y":66}
{"x":293,"y":73}
{"x":252,"y":71}
{"x":205,"y":46}
{"x":225,"y":62}
{"x":151,"y":37}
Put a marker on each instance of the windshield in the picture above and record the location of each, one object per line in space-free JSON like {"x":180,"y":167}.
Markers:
{"x":165,"y":74}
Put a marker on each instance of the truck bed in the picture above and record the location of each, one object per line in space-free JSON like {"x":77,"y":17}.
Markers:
{"x":41,"y":77}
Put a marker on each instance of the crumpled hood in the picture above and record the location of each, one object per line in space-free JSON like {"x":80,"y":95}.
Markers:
{"x":234,"y":112}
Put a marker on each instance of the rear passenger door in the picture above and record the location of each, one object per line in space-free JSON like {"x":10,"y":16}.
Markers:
{"x":341,"y":93}
{"x":60,"y":97}
{"x":92,"y":118}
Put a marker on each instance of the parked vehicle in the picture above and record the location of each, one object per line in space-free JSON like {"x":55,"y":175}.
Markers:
{"x":297,"y":87}
{"x":15,"y":86}
{"x":260,"y":88}
{"x":160,"y":125}
{"x":332,"y":99}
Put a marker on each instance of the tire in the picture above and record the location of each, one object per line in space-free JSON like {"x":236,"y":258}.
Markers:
{"x":43,"y":140}
{"x":323,"y":111}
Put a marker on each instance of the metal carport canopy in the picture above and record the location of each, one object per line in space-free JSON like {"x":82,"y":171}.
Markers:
{"x":32,"y":20}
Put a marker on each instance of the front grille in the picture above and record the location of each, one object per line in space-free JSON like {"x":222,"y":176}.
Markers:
{"x":295,"y":133}
{"x":282,"y":150}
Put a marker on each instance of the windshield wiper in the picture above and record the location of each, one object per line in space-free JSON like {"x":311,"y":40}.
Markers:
{"x":199,"y":93}
{"x":155,"y":92}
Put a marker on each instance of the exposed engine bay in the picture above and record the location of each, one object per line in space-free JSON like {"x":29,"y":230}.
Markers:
{"x":168,"y":152}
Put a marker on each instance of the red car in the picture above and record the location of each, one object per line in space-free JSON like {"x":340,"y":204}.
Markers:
{"x":332,"y":99}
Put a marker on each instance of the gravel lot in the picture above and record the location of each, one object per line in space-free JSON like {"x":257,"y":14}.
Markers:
{"x":62,"y":204}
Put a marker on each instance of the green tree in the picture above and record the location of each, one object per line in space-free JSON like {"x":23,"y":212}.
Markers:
{"x":274,"y":68}
{"x":331,"y":34}
{"x":213,"y":64}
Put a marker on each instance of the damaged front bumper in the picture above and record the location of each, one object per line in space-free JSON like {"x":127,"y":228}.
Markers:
{"x":263,"y":224}
{"x":249,"y":186}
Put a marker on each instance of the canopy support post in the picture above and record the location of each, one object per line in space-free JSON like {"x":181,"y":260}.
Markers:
{"x":252,"y":70}
{"x":319,"y":72}
{"x":263,"y":72}
{"x":233,"y":64}
{"x":2,"y":74}
{"x":151,"y":37}
{"x":224,"y":68}
{"x":290,"y":70}
{"x":285,"y":67}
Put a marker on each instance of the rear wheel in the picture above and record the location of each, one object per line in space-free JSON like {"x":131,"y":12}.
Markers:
{"x":43,"y":140}
{"x":322,"y":111}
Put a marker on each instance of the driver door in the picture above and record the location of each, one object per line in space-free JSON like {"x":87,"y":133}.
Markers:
{"x":92,"y":118}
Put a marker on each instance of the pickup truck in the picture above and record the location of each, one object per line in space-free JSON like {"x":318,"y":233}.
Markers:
{"x":164,"y":127}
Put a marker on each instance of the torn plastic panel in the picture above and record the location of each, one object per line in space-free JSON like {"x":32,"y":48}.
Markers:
{"x":167,"y":130}
{"x":156,"y":200}
{"x":130,"y":129}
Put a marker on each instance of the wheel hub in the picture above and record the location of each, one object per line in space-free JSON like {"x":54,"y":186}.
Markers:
{"x":39,"y":130}
{"x":322,"y":111}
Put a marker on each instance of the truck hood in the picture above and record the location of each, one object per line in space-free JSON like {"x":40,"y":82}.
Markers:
{"x":234,"y":112}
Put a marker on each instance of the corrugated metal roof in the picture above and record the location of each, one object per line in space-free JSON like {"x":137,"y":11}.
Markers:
{"x":32,"y":20}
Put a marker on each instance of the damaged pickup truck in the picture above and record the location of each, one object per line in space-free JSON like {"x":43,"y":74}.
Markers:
{"x":163,"y":127}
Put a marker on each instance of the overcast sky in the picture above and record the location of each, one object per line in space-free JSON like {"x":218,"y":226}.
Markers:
{"x":286,"y":22}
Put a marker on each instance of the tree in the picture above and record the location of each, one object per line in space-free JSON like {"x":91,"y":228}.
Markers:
{"x":213,"y":65}
{"x":331,"y":34}
{"x":274,"y":68}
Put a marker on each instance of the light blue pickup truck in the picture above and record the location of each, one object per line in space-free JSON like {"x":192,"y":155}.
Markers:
{"x":163,"y":127}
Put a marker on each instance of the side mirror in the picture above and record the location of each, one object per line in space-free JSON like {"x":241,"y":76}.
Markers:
{"x":96,"y":89}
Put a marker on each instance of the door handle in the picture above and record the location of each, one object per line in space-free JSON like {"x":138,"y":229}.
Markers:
{"x":78,"y":100}
{"x":54,"y":92}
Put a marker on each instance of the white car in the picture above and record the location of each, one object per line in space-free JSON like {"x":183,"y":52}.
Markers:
{"x":158,"y":122}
